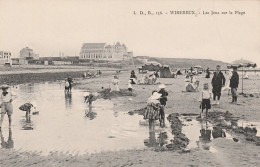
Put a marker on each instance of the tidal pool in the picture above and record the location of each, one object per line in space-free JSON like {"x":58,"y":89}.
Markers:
{"x":62,"y":124}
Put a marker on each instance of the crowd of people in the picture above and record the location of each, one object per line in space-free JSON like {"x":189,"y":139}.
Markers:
{"x":155,"y":109}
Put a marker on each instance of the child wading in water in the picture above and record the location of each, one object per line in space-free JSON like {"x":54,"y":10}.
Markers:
{"x":6,"y":104}
{"x":153,"y":109}
{"x":205,"y":97}
{"x":27,"y":107}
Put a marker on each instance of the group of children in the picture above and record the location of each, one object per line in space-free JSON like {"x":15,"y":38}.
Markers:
{"x":155,"y":109}
{"x":6,"y":106}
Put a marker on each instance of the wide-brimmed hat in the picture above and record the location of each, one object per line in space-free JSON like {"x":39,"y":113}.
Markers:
{"x":162,"y":86}
{"x":156,"y":96}
{"x":4,"y":87}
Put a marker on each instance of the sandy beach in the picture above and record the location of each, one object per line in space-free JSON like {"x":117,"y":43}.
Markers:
{"x":225,"y":152}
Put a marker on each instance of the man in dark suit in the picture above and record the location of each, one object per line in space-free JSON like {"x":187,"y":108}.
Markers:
{"x":234,"y":81}
{"x":217,"y":82}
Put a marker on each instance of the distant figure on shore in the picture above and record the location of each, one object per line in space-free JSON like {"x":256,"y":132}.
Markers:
{"x":6,"y":99}
{"x":218,"y":81}
{"x":191,"y":84}
{"x":234,"y":81}
{"x":130,"y":87}
{"x":115,"y":84}
{"x":133,"y":77}
{"x":67,"y":86}
{"x":207,"y":73}
{"x":246,"y":76}
{"x":227,"y":83}
{"x":70,"y":80}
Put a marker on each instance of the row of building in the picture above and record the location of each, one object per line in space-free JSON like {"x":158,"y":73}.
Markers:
{"x":89,"y":51}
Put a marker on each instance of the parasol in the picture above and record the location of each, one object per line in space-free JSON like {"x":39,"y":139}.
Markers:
{"x":242,"y":64}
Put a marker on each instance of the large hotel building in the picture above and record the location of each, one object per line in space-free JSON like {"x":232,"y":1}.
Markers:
{"x":102,"y":51}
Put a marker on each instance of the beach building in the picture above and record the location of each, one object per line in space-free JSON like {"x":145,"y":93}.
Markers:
{"x":5,"y":57}
{"x":102,"y":51}
{"x":27,"y":53}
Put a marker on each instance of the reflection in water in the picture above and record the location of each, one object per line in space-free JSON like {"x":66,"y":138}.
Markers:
{"x":151,"y":142}
{"x":89,"y":113}
{"x":205,"y":135}
{"x":27,"y":123}
{"x":68,"y":100}
{"x":9,"y":143}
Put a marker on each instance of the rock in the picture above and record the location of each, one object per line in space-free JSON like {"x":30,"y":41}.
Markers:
{"x":235,"y":140}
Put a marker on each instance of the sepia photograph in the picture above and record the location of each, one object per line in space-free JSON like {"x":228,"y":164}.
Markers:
{"x":141,"y":83}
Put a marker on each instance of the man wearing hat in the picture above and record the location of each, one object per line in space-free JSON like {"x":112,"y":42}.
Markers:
{"x":6,"y":104}
{"x":217,"y":82}
{"x":163,"y":100}
{"x":234,"y":81}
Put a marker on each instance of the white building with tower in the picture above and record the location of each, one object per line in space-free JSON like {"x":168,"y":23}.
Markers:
{"x":102,"y":51}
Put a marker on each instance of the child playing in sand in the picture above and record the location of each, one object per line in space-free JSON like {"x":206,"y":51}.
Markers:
{"x":205,"y":97}
{"x":152,"y":109}
{"x":27,"y":107}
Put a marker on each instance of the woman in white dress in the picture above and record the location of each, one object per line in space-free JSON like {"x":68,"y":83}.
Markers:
{"x":115,"y":84}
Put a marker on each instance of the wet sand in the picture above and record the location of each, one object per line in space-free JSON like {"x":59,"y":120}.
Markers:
{"x":227,"y":152}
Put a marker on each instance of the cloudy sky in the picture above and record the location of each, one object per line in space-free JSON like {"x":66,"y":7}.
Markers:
{"x":52,"y":26}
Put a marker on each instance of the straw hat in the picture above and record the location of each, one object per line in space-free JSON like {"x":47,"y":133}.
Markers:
{"x":4,"y":87}
{"x":156,"y":96}
{"x":162,"y":86}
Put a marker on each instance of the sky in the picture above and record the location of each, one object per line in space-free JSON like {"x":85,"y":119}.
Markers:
{"x":53,"y":26}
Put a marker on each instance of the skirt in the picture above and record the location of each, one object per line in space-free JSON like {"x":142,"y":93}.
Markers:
{"x":152,"y":113}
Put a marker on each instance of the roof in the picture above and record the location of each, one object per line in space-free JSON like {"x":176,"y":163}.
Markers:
{"x":93,"y":45}
{"x":241,"y":61}
{"x":118,"y":44}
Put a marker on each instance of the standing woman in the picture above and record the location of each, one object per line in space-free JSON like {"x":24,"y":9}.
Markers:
{"x":6,"y":99}
{"x":207,"y":73}
{"x":218,"y":81}
{"x":234,"y":81}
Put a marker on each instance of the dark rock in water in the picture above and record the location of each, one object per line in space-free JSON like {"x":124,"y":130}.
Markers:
{"x":35,"y":113}
{"x":131,"y":113}
{"x":188,"y":119}
{"x":251,"y":95}
{"x":235,"y":140}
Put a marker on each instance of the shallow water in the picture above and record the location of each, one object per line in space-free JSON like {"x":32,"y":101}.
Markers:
{"x":61,"y":124}
{"x":201,"y":133}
